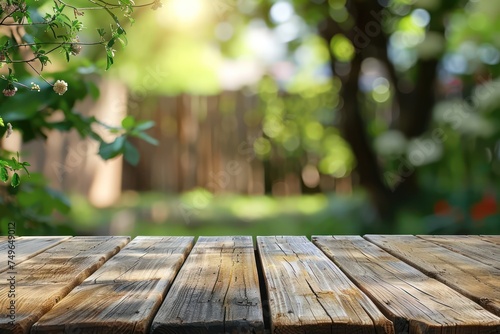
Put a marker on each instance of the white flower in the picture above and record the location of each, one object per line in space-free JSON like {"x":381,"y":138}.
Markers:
{"x":157,"y":4}
{"x":34,"y":86}
{"x":60,"y":87}
{"x":9,"y":91}
{"x":9,"y":130}
{"x":76,"y":48}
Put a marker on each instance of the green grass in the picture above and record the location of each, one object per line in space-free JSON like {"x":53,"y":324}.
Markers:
{"x":200,"y":213}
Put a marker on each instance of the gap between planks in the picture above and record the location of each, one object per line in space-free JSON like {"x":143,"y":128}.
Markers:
{"x":216,"y":290}
{"x":474,"y":279}
{"x":124,"y":294}
{"x":415,"y":302}
{"x":309,"y":294}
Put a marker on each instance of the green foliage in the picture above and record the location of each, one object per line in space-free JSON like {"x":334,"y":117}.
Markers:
{"x":30,"y":104}
{"x":299,"y":121}
{"x":32,"y":206}
{"x":55,"y":30}
{"x":121,"y":145}
{"x":459,"y":152}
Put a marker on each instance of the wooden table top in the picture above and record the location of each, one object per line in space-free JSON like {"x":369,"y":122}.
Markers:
{"x":239,"y":284}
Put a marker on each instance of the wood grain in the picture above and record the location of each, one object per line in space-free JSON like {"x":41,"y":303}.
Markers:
{"x":27,"y":247}
{"x":309,"y":294}
{"x":415,"y":302}
{"x":471,"y":246}
{"x":474,"y":279}
{"x":124,"y":294}
{"x":216,"y":291}
{"x":491,"y":238}
{"x":46,"y":278}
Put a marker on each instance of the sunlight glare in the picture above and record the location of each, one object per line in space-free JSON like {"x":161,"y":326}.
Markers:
{"x":183,"y":12}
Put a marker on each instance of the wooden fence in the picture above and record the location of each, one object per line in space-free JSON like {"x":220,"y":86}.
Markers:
{"x":204,"y":141}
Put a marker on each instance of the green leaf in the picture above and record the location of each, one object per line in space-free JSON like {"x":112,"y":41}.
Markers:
{"x":24,"y":164}
{"x":15,"y":164}
{"x":16,"y":180}
{"x":128,"y":122}
{"x":109,"y":60}
{"x":111,"y":150}
{"x":147,"y":138}
{"x":4,"y":174}
{"x":1,"y":122}
{"x":115,"y":18}
{"x":144,"y":125}
{"x":131,"y":154}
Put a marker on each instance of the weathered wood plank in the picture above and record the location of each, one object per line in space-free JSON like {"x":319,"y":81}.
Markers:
{"x":26,"y":247}
{"x":469,"y":245}
{"x":491,"y":238}
{"x":124,"y":294}
{"x":309,"y":294}
{"x":45,"y":279}
{"x":415,"y":302}
{"x":473,"y":279}
{"x":216,"y":291}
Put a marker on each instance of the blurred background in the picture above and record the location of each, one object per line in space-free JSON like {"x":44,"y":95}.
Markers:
{"x":282,"y":117}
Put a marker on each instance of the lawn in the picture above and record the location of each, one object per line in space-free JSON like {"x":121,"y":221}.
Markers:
{"x":201,"y":213}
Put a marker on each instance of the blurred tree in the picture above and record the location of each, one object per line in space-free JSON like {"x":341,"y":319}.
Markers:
{"x":395,"y":59}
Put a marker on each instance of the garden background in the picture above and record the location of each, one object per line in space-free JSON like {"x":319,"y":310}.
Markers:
{"x":257,"y":117}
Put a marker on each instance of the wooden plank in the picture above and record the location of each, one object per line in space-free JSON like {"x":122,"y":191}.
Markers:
{"x":474,"y":279}
{"x":216,"y":291}
{"x":491,"y":238}
{"x":309,"y":294}
{"x":45,"y":279}
{"x":26,"y":247}
{"x":124,"y":294}
{"x":415,"y":302}
{"x":469,"y":245}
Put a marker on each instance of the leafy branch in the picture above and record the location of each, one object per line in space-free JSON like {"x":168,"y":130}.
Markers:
{"x":11,"y":165}
{"x":58,"y":31}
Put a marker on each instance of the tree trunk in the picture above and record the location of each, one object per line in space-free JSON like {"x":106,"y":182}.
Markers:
{"x":415,"y":109}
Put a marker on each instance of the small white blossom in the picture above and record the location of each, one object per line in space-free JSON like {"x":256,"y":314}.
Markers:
{"x":9,"y":91}
{"x":60,"y":87}
{"x":9,"y":130}
{"x":75,"y":47}
{"x":34,"y":86}
{"x":157,"y":4}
